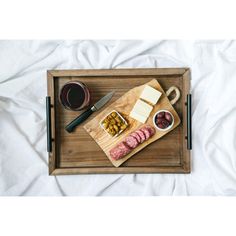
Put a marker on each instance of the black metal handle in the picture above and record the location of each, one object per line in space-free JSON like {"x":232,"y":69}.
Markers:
{"x":189,"y":121}
{"x":70,"y":127}
{"x":48,"y":120}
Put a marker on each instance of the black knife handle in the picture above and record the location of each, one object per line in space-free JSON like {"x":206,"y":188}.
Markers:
{"x":70,"y":127}
{"x":48,"y":120}
{"x":189,"y":122}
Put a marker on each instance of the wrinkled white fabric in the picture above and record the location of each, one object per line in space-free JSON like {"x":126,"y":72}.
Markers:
{"x":23,"y":157}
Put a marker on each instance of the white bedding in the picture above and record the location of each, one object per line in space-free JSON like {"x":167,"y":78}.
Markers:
{"x":23,"y":157}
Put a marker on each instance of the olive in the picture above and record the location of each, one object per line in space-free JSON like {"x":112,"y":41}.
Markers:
{"x":106,"y":120}
{"x":116,"y":128}
{"x":113,"y":132}
{"x":123,"y":127}
{"x":112,"y":121}
{"x":163,"y":124}
{"x":114,"y":114}
{"x":105,"y":125}
{"x":118,"y":119}
{"x":158,"y":121}
{"x":161,"y":114}
{"x":168,"y":117}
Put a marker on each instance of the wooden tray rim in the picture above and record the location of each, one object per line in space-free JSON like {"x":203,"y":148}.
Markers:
{"x":185,"y":166}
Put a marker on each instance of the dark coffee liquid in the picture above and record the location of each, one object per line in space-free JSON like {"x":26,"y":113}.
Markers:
{"x":75,"y":96}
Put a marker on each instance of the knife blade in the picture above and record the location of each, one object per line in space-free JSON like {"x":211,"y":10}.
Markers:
{"x":81,"y":118}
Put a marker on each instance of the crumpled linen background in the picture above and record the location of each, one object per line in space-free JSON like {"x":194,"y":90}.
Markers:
{"x":23,"y":157}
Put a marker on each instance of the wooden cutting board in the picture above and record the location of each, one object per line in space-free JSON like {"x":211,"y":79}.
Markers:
{"x":124,"y":105}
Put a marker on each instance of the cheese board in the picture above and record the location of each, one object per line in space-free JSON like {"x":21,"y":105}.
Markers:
{"x":80,"y":152}
{"x":124,"y":106}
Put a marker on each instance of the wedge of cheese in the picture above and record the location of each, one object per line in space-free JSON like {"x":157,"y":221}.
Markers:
{"x":150,"y":94}
{"x":141,"y":111}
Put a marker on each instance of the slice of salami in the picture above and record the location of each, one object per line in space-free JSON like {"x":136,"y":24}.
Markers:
{"x":151,"y":130}
{"x":119,"y":151}
{"x":146,"y":132}
{"x":131,"y":141}
{"x":141,"y":135}
{"x":135,"y":135}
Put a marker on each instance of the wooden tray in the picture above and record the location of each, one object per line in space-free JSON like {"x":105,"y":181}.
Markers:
{"x":78,"y":153}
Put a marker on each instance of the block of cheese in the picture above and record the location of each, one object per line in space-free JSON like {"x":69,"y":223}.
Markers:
{"x":141,"y":111}
{"x":138,"y":117}
{"x":150,"y":94}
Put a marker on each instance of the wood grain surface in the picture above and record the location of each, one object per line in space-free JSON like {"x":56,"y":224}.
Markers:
{"x":78,"y":153}
{"x":124,"y":105}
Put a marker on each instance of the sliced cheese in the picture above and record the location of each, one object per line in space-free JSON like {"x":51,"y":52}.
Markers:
{"x":138,"y":117}
{"x":141,"y":111}
{"x":150,"y":94}
{"x":142,"y":107}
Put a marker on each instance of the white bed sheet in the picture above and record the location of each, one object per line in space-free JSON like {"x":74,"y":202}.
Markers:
{"x":23,"y":157}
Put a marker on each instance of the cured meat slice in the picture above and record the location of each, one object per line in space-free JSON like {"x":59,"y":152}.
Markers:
{"x":135,"y":135}
{"x":132,"y":142}
{"x":146,"y":132}
{"x":151,"y":130}
{"x":141,"y":135}
{"x":119,"y":151}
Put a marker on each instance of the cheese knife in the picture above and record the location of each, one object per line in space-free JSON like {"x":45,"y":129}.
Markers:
{"x":81,"y":118}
